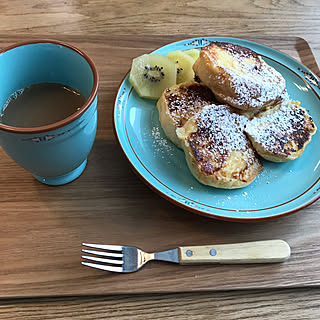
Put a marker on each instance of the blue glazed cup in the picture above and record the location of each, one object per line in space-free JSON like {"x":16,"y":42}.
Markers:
{"x":57,"y":153}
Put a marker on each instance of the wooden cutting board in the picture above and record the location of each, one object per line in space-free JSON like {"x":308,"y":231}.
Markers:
{"x":42,"y":227}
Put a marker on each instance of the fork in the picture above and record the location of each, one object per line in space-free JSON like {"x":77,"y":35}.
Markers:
{"x":125,"y":259}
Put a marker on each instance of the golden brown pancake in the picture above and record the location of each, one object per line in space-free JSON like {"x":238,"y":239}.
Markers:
{"x":239,"y":76}
{"x":179,"y":103}
{"x":281,"y":133}
{"x":217,"y":151}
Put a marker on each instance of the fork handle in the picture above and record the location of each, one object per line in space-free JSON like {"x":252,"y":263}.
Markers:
{"x":268,"y":251}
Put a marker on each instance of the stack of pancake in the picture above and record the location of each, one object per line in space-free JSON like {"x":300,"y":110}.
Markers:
{"x":240,"y":109}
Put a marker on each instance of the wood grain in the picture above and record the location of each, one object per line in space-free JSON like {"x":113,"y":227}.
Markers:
{"x":105,"y":18}
{"x":43,"y":227}
{"x":286,"y":304}
{"x":246,"y":252}
{"x":194,"y":17}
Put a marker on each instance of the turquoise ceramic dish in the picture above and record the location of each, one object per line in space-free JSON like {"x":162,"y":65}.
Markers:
{"x":281,"y":189}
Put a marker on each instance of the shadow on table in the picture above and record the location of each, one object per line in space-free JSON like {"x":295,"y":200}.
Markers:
{"x":110,"y":204}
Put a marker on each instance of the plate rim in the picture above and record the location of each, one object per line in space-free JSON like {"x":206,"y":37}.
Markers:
{"x":190,"y":208}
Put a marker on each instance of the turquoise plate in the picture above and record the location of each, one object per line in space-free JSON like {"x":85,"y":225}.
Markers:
{"x":281,"y":189}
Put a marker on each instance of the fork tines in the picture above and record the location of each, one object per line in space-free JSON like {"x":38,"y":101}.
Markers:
{"x":113,"y":262}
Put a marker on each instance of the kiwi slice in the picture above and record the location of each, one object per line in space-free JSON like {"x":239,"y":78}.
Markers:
{"x":193,"y":53}
{"x":184,"y":65}
{"x":151,"y":74}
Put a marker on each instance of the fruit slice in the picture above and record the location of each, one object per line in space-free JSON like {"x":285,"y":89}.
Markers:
{"x":152,"y":73}
{"x":193,"y":53}
{"x":184,"y":65}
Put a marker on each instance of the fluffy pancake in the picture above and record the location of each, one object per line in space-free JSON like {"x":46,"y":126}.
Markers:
{"x":217,"y":151}
{"x":239,"y":77}
{"x":281,"y":133}
{"x":179,"y":103}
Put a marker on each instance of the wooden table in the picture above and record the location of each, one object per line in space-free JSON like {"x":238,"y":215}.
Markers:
{"x":230,"y":18}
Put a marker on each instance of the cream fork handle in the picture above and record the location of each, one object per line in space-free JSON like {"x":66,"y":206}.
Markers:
{"x":268,"y":251}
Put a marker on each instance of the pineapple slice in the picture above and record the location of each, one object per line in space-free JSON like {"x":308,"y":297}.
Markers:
{"x":151,"y":74}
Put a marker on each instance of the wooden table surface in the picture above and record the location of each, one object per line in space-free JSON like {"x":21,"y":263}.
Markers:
{"x":230,"y":18}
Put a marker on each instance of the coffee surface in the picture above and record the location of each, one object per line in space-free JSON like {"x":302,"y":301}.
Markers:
{"x":40,"y":104}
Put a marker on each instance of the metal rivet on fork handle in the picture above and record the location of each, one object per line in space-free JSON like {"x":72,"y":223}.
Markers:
{"x":189,"y":253}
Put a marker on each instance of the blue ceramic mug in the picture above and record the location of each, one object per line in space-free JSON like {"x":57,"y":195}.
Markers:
{"x":57,"y":153}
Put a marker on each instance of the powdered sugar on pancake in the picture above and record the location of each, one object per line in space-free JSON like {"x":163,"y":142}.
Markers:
{"x":253,"y":81}
{"x":265,"y":87}
{"x":222,"y":127}
{"x":219,"y":143}
{"x":277,"y":128}
{"x":186,"y":100}
{"x":256,"y":86}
